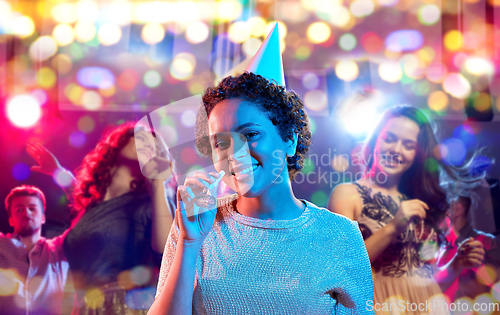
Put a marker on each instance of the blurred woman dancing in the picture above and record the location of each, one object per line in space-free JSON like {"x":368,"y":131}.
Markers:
{"x":399,"y":206}
{"x":121,"y":224}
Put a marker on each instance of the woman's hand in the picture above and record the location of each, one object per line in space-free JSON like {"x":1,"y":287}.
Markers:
{"x":195,"y":222}
{"x":157,"y":171}
{"x":470,"y":254}
{"x":47,"y":162}
{"x":408,"y":210}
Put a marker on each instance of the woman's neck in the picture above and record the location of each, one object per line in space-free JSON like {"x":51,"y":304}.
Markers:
{"x":121,"y":177}
{"x":382,"y":181}
{"x":276,"y":203}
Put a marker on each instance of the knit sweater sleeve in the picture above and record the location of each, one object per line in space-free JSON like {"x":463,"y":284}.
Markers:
{"x":357,"y":275}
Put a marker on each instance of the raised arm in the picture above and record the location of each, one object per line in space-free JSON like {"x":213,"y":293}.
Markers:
{"x":345,"y":200}
{"x":192,"y":225}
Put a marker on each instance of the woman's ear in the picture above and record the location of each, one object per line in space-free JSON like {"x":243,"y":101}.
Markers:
{"x":292,"y":145}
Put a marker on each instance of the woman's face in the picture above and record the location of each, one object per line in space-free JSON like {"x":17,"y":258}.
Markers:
{"x":247,"y":146}
{"x":396,"y":146}
{"x":141,"y":147}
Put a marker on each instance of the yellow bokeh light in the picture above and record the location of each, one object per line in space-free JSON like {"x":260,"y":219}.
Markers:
{"x":413,"y":67}
{"x":340,"y":16}
{"x":482,"y":102}
{"x":94,"y":298}
{"x":74,"y":93}
{"x":426,"y":55}
{"x":257,"y":26}
{"x":318,"y":32}
{"x":228,"y":10}
{"x":91,"y":100}
{"x":64,"y":13}
{"x":109,"y":34}
{"x":23,"y":26}
{"x":239,"y":32}
{"x":152,"y":33}
{"x":86,"y":124}
{"x":10,"y":282}
{"x":182,"y":66}
{"x":197,"y":32}
{"x":85,"y":31}
{"x":46,"y":77}
{"x":62,"y":63}
{"x":453,"y":40}
{"x":87,"y":11}
{"x":347,"y":70}
{"x":438,"y":101}
{"x":281,"y":27}
{"x":63,"y":34}
{"x":108,"y":91}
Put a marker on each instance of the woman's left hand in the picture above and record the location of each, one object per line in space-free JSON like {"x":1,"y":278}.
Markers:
{"x":470,"y":254}
{"x":157,"y":170}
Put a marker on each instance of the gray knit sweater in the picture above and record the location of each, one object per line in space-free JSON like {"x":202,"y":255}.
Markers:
{"x":314,"y":264}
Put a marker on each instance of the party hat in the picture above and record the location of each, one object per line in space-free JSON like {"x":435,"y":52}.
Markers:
{"x":267,"y":61}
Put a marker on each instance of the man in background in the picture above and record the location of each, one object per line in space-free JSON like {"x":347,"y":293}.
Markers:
{"x":33,"y":270}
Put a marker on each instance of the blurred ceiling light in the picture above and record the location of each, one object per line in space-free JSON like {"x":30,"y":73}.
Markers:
{"x":43,"y":48}
{"x":318,"y":32}
{"x":109,"y":34}
{"x":63,"y":34}
{"x":152,"y":33}
{"x":197,"y":32}
{"x":359,"y":112}
{"x":85,"y":31}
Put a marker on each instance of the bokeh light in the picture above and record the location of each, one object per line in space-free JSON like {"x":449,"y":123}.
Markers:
{"x":228,"y":10}
{"x":85,"y":31}
{"x":283,"y":30}
{"x":390,"y":71}
{"x":453,"y":40}
{"x":310,"y":81}
{"x":23,"y":110}
{"x":109,"y":34}
{"x":40,"y":96}
{"x":347,"y":42}
{"x":86,"y":124}
{"x":361,"y":8}
{"x":62,"y":64}
{"x":318,"y":32}
{"x":64,"y":13}
{"x":429,"y":14}
{"x":95,"y":77}
{"x":188,"y":118}
{"x":43,"y":48}
{"x":371,"y":42}
{"x":91,"y":100}
{"x":152,"y":79}
{"x":182,"y":66}
{"x":87,"y":11}
{"x":339,"y":16}
{"x":77,"y":139}
{"x":453,"y":151}
{"x":479,"y":66}
{"x":347,"y":70}
{"x":63,"y":34}
{"x":315,"y":100}
{"x":438,"y":101}
{"x":46,"y":77}
{"x":403,"y":40}
{"x":152,"y":33}
{"x":239,"y":32}
{"x":23,"y":26}
{"x":21,"y":171}
{"x":128,"y":79}
{"x":257,"y":26}
{"x":251,"y":46}
{"x":197,"y":32}
{"x":457,"y":85}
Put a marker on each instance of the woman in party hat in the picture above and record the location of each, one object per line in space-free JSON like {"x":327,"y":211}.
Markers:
{"x":262,"y":250}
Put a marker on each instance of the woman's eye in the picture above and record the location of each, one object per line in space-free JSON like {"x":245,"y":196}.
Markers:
{"x":220,"y":144}
{"x":251,"y":134}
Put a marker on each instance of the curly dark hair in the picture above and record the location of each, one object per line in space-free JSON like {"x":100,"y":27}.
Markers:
{"x":284,"y":108}
{"x":94,"y":177}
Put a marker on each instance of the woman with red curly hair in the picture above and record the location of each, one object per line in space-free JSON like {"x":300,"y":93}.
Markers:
{"x":121,"y":224}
